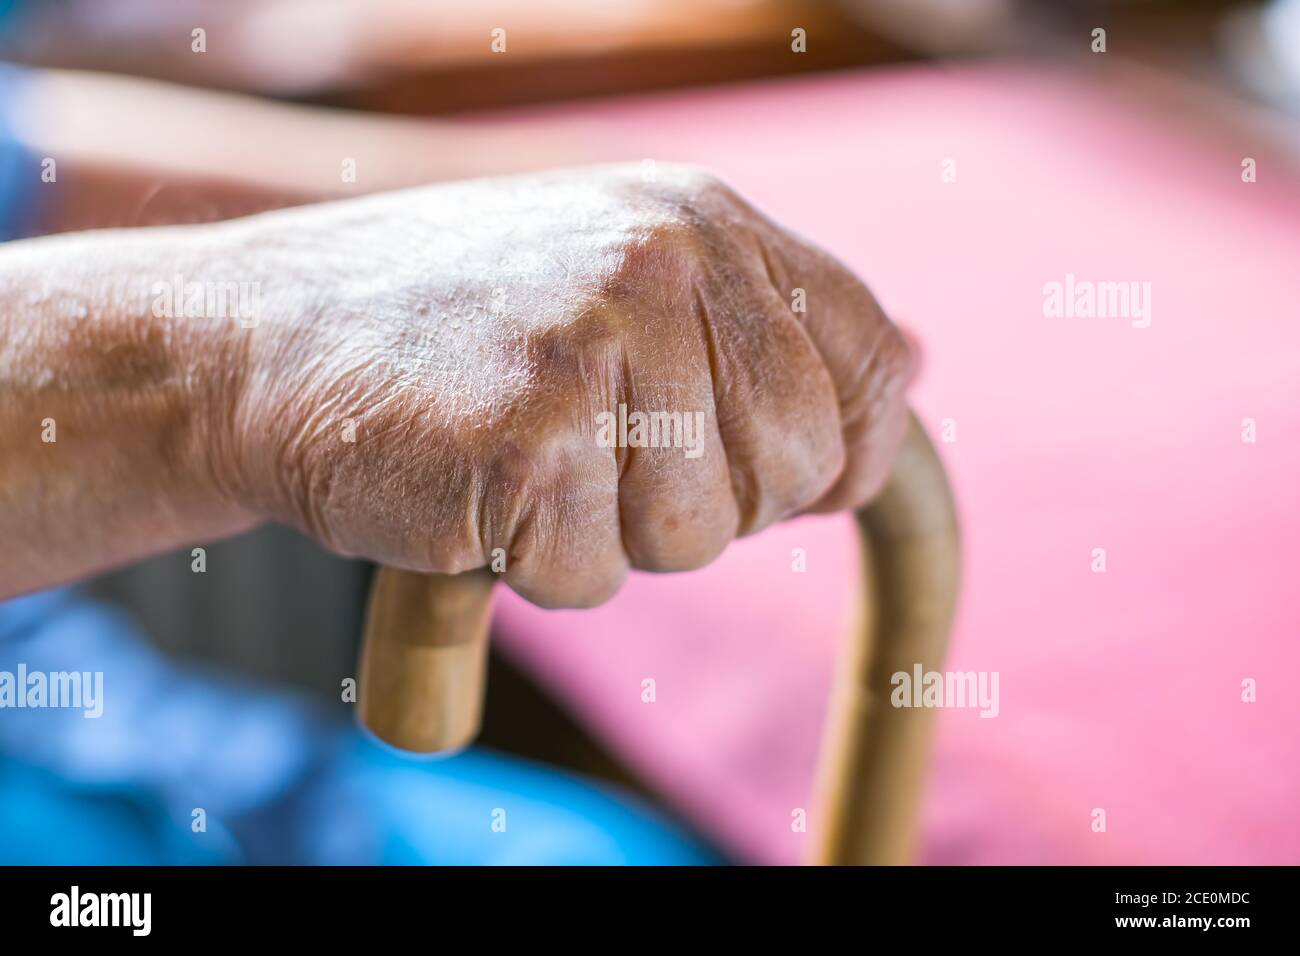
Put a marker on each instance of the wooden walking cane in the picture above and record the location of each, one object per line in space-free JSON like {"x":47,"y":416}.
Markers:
{"x":423,"y":663}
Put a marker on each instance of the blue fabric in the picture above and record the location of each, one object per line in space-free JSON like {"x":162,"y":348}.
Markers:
{"x":9,"y":10}
{"x":19,"y":171}
{"x":276,"y":780}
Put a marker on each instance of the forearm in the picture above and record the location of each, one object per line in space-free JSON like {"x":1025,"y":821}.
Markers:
{"x":107,"y":408}
{"x":132,"y":152}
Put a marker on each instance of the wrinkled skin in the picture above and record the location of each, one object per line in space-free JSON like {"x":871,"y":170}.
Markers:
{"x":468,"y":335}
{"x":474,"y":332}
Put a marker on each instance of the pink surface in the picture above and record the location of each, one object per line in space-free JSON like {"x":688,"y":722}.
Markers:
{"x":1119,"y":690}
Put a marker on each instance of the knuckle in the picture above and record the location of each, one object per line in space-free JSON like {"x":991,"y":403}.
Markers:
{"x":523,"y":466}
{"x":687,"y":197}
{"x":542,"y":494}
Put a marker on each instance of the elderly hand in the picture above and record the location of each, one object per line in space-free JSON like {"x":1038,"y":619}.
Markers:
{"x":561,"y":375}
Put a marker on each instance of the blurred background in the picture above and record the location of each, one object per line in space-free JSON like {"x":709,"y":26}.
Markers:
{"x":425,"y":58}
{"x":151,"y":129}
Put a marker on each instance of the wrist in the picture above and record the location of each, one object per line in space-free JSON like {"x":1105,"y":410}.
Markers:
{"x":202,"y":311}
{"x":109,"y":438}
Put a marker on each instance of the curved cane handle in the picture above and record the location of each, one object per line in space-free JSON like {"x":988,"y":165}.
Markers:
{"x":423,"y":663}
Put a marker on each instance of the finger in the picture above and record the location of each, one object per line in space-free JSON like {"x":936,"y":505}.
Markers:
{"x":675,"y":498}
{"x":868,"y":359}
{"x":554,"y":508}
{"x":775,"y":397}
